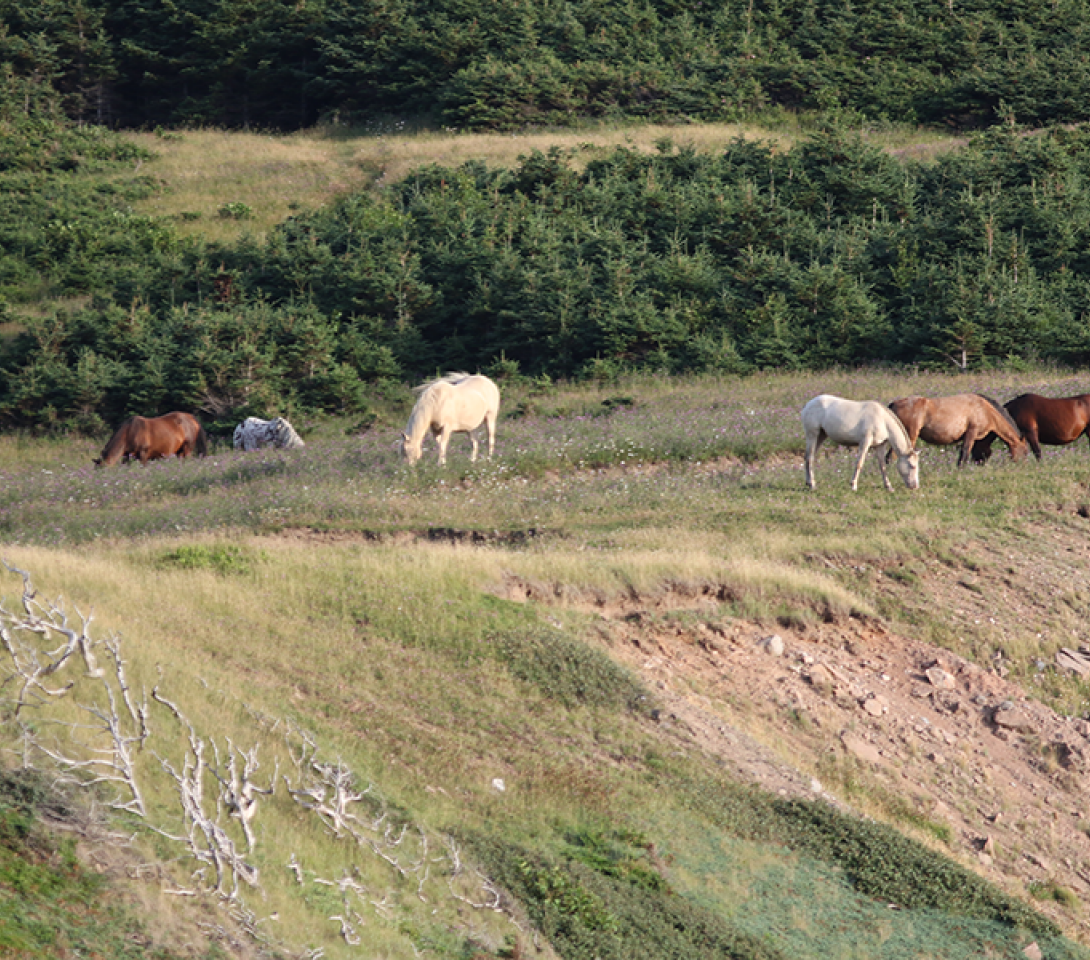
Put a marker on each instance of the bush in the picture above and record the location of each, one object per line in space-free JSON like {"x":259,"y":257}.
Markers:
{"x":569,"y":671}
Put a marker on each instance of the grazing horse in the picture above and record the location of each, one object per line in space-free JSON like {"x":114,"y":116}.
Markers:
{"x":1047,"y":420}
{"x":963,"y":418}
{"x":254,"y":434}
{"x":149,"y":438}
{"x":456,"y":403}
{"x":863,"y":425}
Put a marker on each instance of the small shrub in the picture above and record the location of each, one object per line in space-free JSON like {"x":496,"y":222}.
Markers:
{"x":1050,"y":890}
{"x":236,"y":210}
{"x":222,"y":558}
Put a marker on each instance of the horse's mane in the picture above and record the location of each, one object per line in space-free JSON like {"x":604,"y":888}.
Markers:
{"x":1002,"y":411}
{"x":119,"y":439}
{"x":451,"y":378}
{"x":898,"y":426}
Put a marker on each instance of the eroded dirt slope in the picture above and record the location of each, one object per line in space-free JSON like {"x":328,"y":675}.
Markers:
{"x":945,"y":749}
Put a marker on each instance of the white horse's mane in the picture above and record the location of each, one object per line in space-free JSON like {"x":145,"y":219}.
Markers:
{"x":899,"y":427}
{"x":451,"y":378}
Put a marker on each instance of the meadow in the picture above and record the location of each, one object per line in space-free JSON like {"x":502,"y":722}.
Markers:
{"x":348,"y":624}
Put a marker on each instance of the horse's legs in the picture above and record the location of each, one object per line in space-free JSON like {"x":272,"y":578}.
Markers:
{"x":443,"y":436}
{"x":473,"y":440}
{"x":883,"y":459}
{"x":813,"y":444}
{"x":967,"y":442}
{"x":1034,"y":441}
{"x":864,"y":447}
{"x":490,"y":424}
{"x":982,"y":449}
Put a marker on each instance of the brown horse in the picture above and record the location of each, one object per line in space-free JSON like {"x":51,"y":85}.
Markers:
{"x":149,"y":438}
{"x":963,"y":418}
{"x":1047,"y":420}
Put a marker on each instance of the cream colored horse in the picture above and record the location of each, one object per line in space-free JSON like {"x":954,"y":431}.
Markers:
{"x":863,"y":425}
{"x":456,"y":403}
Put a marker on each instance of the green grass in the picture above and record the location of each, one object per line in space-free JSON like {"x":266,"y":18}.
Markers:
{"x":51,"y":904}
{"x":396,"y":618}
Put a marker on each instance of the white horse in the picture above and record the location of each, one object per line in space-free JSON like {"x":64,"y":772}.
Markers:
{"x":863,"y":425}
{"x":456,"y":403}
{"x":255,"y":434}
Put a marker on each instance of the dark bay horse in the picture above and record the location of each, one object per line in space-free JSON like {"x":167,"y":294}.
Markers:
{"x":1049,"y":420}
{"x":149,"y":438}
{"x":963,"y":418}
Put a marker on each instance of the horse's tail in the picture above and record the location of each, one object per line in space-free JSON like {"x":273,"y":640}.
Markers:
{"x":1005,"y":414}
{"x":200,"y":442}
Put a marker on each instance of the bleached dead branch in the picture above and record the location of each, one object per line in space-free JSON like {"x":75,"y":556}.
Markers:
{"x":31,"y":665}
{"x":330,"y":791}
{"x":207,"y":840}
{"x":458,"y":871}
{"x":104,"y":749}
{"x":238,"y":792}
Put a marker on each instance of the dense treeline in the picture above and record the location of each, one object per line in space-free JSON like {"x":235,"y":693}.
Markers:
{"x":831,"y":253}
{"x":478,"y":63}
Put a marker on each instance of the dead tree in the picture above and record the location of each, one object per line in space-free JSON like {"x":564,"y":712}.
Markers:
{"x":31,"y":665}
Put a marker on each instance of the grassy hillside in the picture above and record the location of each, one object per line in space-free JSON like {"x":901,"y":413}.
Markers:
{"x":415,"y":663}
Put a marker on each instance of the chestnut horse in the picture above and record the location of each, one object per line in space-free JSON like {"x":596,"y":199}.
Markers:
{"x":963,"y":418}
{"x":1048,"y":420}
{"x":149,"y":438}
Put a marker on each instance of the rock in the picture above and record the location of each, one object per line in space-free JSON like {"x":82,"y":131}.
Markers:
{"x":859,"y":747}
{"x":1038,"y":861}
{"x":1010,"y":716}
{"x":820,"y":678}
{"x":498,"y":785}
{"x":1033,"y":952}
{"x":876,"y":705}
{"x":773,"y":645}
{"x":1075,"y":661}
{"x":989,"y":846}
{"x":946,"y":700}
{"x":939,"y":678}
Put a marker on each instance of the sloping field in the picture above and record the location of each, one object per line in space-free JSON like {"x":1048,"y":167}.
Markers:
{"x":529,"y":707}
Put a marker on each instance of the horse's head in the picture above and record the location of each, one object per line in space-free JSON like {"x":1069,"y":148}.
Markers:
{"x":908,"y":466}
{"x":409,"y":450}
{"x":97,"y":461}
{"x":1019,"y":448}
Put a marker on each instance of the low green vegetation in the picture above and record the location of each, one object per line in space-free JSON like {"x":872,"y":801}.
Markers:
{"x":51,"y":904}
{"x":221,"y":557}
